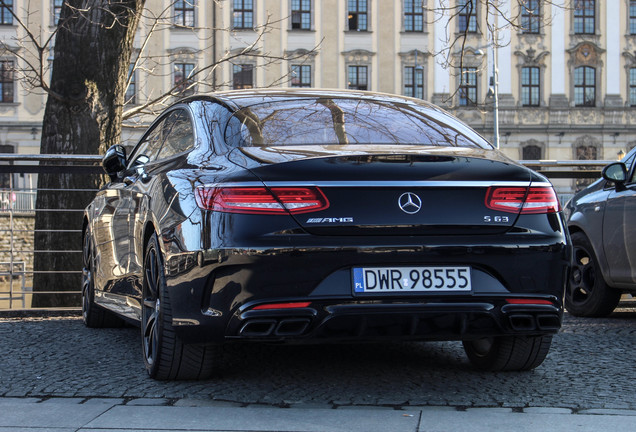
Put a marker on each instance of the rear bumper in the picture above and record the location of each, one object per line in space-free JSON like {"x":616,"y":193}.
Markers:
{"x":213,"y":301}
{"x":435,"y":320}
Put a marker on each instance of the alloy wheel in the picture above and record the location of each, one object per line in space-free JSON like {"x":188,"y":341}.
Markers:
{"x":584,"y":276}
{"x":87,"y":276}
{"x":151,"y":307}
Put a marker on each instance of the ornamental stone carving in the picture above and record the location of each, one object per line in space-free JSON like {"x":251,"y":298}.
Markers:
{"x":586,"y":147}
{"x":531,"y":116}
{"x":586,"y":116}
{"x":301,"y":52}
{"x":183,"y":53}
{"x":531,"y":39}
{"x":585,"y":54}
{"x":409,"y":57}
{"x":531,"y":58}
{"x":358,"y":56}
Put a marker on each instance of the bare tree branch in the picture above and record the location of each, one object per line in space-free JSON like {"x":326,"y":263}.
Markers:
{"x":490,"y":17}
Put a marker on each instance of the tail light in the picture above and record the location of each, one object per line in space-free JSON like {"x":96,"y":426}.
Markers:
{"x":261,"y":200}
{"x":529,"y":301}
{"x":523,"y":200}
{"x":291,"y":305}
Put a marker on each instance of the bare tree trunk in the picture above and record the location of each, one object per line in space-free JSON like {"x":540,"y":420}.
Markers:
{"x":83,"y":115}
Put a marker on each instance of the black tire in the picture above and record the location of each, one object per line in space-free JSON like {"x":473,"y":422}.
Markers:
{"x":587,"y":294}
{"x":165,"y":356}
{"x":94,"y":316}
{"x":508,"y":353}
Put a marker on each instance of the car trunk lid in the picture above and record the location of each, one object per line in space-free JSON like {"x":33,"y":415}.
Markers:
{"x":376,"y":190}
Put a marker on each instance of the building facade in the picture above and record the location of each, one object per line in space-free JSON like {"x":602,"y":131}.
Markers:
{"x":566,"y":81}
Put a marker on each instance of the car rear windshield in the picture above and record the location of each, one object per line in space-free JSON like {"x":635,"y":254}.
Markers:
{"x":329,"y":121}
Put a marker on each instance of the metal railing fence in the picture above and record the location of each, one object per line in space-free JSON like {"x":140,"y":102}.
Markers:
{"x":19,"y":211}
{"x":19,"y":231}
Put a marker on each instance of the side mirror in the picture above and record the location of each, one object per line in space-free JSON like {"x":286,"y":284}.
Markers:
{"x":615,"y":172}
{"x":114,"y":161}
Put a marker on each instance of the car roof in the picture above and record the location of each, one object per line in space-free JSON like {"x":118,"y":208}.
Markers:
{"x":237,"y":99}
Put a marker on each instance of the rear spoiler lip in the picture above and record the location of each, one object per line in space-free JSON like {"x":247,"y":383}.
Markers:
{"x":385,"y":183}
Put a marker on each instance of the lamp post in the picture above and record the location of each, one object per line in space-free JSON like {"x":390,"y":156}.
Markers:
{"x":495,"y":87}
{"x":495,"y":84}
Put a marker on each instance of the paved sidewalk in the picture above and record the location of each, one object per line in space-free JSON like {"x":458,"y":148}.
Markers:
{"x":140,"y":415}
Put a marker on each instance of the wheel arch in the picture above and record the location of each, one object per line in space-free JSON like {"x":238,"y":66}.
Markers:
{"x":84,"y":227}
{"x":600,"y":255}
{"x":149,"y":230}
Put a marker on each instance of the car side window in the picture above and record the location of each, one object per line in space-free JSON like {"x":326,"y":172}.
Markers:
{"x":148,"y":147}
{"x":178,"y":134}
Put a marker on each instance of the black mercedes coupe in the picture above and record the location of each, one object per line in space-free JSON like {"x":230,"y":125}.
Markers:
{"x":318,"y":216}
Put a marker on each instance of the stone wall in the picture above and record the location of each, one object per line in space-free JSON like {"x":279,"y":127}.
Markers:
{"x":21,"y":227}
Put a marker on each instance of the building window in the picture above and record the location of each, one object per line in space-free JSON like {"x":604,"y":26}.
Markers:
{"x":584,"y":152}
{"x":301,"y":14}
{"x":584,"y":86}
{"x":531,"y":152}
{"x":57,"y":10}
{"x":5,"y":12}
{"x":584,"y":16}
{"x":414,"y":82}
{"x":468,"y":87}
{"x":131,"y":91}
{"x":530,"y":16}
{"x":632,"y":17}
{"x":183,"y":82}
{"x":413,"y":16}
{"x":358,"y":78}
{"x":301,"y":76}
{"x":243,"y":76}
{"x":467,"y":16}
{"x":184,"y":13}
{"x":632,"y":86}
{"x":530,"y":86}
{"x":357,"y":15}
{"x":243,"y":17}
{"x":6,"y":81}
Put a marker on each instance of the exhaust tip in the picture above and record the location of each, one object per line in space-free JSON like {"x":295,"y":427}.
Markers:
{"x":292,"y":327}
{"x":522,"y":322}
{"x":258,"y":328}
{"x":548,"y":322}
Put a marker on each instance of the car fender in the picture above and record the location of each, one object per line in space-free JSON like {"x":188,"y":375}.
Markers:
{"x":578,"y":222}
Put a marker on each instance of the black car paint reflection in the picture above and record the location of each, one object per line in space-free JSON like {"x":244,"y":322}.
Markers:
{"x":223,"y":237}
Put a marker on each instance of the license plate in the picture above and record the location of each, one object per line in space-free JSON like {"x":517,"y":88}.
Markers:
{"x":411,"y":279}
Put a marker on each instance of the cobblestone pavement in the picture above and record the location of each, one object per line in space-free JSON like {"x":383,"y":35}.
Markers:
{"x":590,"y":366}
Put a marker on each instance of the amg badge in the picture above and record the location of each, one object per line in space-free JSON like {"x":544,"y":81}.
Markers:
{"x":331,"y":220}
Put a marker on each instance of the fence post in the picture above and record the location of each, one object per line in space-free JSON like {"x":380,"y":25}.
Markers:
{"x":11,"y":242}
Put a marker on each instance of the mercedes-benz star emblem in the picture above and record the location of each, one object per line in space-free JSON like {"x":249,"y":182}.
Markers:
{"x":410,"y":203}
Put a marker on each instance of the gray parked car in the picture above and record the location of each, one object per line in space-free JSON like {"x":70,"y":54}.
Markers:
{"x":601,"y":223}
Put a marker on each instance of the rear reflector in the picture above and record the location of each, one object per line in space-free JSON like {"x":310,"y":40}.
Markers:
{"x":282,"y":306}
{"x":261,"y":200}
{"x":529,"y":301}
{"x":523,"y":200}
